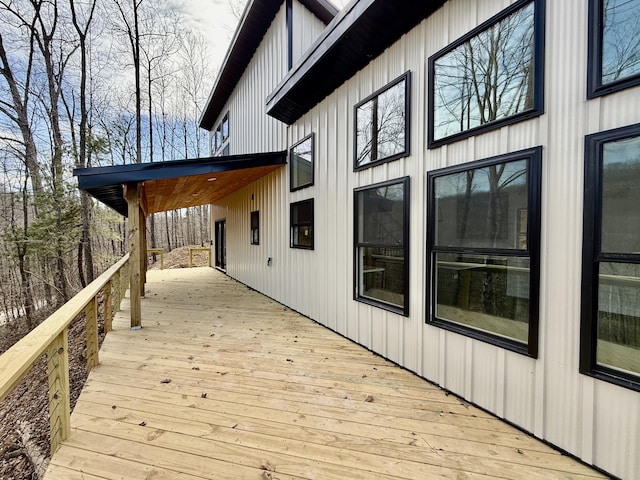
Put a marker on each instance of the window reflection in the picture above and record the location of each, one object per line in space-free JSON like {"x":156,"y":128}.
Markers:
{"x":301,"y":159}
{"x":487,"y":78}
{"x":381,"y":125}
{"x":620,"y":39}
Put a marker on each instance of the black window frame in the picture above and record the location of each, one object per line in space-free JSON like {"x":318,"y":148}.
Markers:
{"x":404,"y":309}
{"x":595,"y":87}
{"x":292,"y":163}
{"x":537,"y":108}
{"x":254,"y":227}
{"x":225,"y":127}
{"x":592,"y":256}
{"x":533,"y":156}
{"x":310,"y":223}
{"x":405,"y":77}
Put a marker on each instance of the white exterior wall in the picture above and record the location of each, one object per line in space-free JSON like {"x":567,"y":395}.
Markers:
{"x":594,"y":420}
{"x":306,"y":28}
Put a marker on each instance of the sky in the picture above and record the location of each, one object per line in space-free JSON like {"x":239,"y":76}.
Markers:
{"x":214,"y":19}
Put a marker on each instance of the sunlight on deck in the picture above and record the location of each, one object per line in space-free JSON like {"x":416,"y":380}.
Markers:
{"x":224,"y":383}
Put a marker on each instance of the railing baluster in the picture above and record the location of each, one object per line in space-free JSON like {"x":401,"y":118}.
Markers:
{"x":58,"y":372}
{"x":107,"y":307}
{"x":91,"y":324}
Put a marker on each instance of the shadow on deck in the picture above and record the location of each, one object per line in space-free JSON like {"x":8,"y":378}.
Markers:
{"x":224,"y":383}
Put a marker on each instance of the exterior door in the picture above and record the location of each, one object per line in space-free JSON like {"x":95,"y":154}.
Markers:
{"x":221,"y":244}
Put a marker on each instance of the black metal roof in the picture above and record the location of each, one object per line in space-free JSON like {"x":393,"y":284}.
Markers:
{"x":360,"y":33}
{"x":106,"y":184}
{"x":255,"y":22}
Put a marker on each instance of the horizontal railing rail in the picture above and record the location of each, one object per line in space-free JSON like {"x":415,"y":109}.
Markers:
{"x":50,"y":338}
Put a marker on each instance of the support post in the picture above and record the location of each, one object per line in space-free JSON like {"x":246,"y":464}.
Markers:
{"x":132,"y":194}
{"x":107,"y":306}
{"x":91,"y":327}
{"x":143,"y":251}
{"x":58,"y":373}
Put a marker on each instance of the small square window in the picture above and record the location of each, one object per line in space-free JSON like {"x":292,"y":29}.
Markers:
{"x":382,"y":125}
{"x":381,"y":214}
{"x":614,"y":46}
{"x":301,"y":159}
{"x":610,"y":330}
{"x":302,"y":224}
{"x":255,"y":228}
{"x":491,"y":77}
{"x":483,"y":262}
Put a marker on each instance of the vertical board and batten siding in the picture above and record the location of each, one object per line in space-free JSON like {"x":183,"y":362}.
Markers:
{"x":306,"y":28}
{"x":593,"y":420}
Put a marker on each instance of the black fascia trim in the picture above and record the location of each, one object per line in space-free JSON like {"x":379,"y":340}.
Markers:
{"x":534,"y":222}
{"x":406,"y":77}
{"x":404,"y":310}
{"x":591,"y":258}
{"x":94,"y":177}
{"x":313,"y":163}
{"x":595,"y":87}
{"x":313,"y":227}
{"x":357,"y":35}
{"x":256,"y":20}
{"x":538,"y":78}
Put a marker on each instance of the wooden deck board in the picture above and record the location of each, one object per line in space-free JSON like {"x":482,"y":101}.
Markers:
{"x":257,"y":391}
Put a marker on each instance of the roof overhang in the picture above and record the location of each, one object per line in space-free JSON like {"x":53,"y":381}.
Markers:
{"x":255,"y":21}
{"x":360,"y":33}
{"x":177,"y":184}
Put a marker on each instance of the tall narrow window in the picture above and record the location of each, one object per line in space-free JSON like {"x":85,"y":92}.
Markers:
{"x":382,"y":125}
{"x":301,"y":164}
{"x":381,"y":215}
{"x":614,"y":46}
{"x":301,"y":217}
{"x":610,"y":334}
{"x":255,"y":228}
{"x":490,"y":77}
{"x":483,"y":264}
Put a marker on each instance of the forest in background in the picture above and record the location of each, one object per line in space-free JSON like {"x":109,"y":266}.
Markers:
{"x":86,"y":83}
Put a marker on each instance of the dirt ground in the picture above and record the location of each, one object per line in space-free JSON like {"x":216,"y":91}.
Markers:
{"x":24,"y":421}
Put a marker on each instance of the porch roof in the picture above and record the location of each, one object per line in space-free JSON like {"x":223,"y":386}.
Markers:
{"x":179,"y":183}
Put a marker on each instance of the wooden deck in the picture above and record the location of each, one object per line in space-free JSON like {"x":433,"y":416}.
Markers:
{"x":223,"y":383}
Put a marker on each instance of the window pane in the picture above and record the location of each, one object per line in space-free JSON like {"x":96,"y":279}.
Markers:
{"x":302,"y":236}
{"x":381,"y":274}
{"x":620,"y":39}
{"x":490,"y":77}
{"x":391,"y":121}
{"x":364,"y":127}
{"x":381,"y":215}
{"x":225,"y":127}
{"x":619,"y":317}
{"x":483,"y":207}
{"x":302,"y":164}
{"x":621,"y":196}
{"x":302,"y":213}
{"x":486,"y":293}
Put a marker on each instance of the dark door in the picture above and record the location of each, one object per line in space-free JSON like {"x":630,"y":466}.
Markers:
{"x":221,"y":244}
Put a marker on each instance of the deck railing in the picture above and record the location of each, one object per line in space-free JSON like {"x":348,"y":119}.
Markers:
{"x":50,"y":338}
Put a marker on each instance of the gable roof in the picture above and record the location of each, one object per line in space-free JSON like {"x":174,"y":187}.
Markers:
{"x":179,"y":183}
{"x":255,"y":21}
{"x":360,"y":33}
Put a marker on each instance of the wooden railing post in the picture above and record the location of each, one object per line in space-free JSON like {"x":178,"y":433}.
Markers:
{"x":58,"y":372}
{"x":107,"y":307}
{"x":91,"y":324}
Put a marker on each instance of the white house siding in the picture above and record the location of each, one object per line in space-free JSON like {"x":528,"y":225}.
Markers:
{"x":594,"y":420}
{"x":306,"y":28}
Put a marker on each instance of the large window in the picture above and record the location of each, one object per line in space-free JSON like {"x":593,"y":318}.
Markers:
{"x":382,"y":125}
{"x":255,"y":228}
{"x":483,"y":240}
{"x":610,"y":341}
{"x":490,"y":77}
{"x":301,"y":217}
{"x":381,"y":217}
{"x":614,"y":45}
{"x":301,"y":164}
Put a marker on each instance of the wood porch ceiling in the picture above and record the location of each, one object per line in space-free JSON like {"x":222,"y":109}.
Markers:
{"x":177,"y":184}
